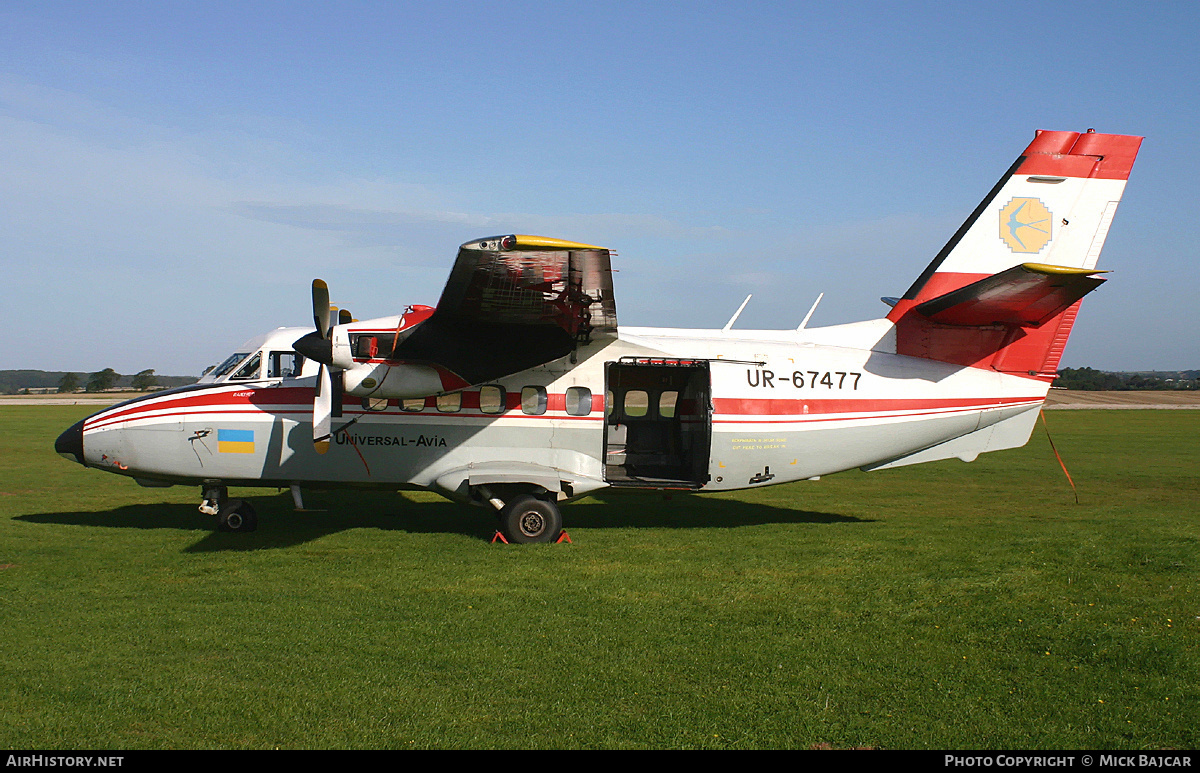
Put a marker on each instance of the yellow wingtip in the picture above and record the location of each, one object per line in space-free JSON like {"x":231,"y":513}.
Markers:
{"x":1046,"y":268}
{"x":528,"y":242}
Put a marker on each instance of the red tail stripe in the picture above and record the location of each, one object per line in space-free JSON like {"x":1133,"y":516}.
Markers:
{"x":1071,"y":154}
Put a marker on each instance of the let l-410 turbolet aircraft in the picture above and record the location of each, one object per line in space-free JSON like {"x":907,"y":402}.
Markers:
{"x":519,"y":392}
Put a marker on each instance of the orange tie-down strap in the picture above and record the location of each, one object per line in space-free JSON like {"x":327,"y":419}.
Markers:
{"x":1057,"y":456}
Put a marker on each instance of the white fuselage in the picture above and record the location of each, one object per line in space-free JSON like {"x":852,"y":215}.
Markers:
{"x":781,"y":406}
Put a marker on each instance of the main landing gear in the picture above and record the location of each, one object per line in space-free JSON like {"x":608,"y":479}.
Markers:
{"x":525,"y":518}
{"x":233,"y":515}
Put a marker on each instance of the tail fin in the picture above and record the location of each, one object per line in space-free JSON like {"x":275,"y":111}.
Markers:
{"x":1004,"y":291}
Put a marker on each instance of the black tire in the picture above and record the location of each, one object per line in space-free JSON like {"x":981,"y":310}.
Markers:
{"x":526,"y":519}
{"x":237,"y":516}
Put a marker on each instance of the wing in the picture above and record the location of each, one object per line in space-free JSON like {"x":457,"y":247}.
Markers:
{"x":512,"y":303}
{"x":1026,"y":295}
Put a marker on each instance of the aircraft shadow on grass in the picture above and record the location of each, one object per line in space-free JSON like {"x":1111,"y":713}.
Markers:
{"x":281,"y":526}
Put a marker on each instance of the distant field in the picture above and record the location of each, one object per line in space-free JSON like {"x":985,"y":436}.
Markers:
{"x":945,"y":606}
{"x":1130,"y":399}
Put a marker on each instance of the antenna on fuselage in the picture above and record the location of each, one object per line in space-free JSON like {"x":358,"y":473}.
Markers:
{"x":737,"y":313}
{"x":808,"y":316}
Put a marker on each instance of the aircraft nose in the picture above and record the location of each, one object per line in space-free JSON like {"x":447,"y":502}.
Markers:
{"x":70,"y":443}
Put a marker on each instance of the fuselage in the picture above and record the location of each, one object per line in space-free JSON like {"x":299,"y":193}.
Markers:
{"x":653,"y":408}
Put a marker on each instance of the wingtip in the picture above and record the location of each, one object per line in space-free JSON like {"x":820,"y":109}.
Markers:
{"x":1051,"y":270}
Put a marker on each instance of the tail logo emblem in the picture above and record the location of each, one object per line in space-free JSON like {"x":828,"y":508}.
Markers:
{"x":1026,"y":225}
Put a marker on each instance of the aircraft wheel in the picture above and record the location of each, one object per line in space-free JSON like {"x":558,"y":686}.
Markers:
{"x":527,"y":519}
{"x":237,"y":516}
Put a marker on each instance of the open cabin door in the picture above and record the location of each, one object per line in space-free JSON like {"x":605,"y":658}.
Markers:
{"x":657,"y":423}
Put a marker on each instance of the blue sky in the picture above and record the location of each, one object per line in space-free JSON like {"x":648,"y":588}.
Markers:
{"x":173,"y":175}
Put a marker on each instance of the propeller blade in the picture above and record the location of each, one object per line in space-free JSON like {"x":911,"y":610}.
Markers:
{"x":323,"y":411}
{"x":320,"y":298}
{"x":344,"y":317}
{"x":318,"y":345}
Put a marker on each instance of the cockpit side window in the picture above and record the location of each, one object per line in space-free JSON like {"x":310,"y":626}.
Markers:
{"x":229,"y":364}
{"x":249,"y":370}
{"x":284,"y":365}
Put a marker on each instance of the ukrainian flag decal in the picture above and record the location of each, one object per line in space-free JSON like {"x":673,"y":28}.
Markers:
{"x":235,"y":441}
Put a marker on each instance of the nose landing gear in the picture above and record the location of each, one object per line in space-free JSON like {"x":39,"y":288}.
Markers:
{"x":237,"y":516}
{"x":233,"y":515}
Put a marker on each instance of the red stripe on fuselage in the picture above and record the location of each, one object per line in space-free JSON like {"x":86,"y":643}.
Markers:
{"x":238,"y":397}
{"x":823,"y":407}
{"x":773,"y":410}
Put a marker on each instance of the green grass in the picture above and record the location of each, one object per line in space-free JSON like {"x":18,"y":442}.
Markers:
{"x":937,"y":606}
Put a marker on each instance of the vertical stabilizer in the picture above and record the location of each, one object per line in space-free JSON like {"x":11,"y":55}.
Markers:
{"x":1052,"y":208}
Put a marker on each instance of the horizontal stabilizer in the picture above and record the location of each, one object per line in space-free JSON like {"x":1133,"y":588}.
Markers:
{"x":1028,"y":295}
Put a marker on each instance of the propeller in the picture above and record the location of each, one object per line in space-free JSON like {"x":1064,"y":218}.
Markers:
{"x":320,"y":299}
{"x":318,"y":345}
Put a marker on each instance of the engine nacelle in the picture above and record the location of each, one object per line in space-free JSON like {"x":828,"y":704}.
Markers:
{"x":398,"y":381}
{"x":341,"y":354}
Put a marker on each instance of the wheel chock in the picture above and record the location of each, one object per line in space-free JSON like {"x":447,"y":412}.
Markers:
{"x":562,"y":537}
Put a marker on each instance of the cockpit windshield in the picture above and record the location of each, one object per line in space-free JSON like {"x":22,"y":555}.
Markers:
{"x":228,"y":365}
{"x":249,"y":370}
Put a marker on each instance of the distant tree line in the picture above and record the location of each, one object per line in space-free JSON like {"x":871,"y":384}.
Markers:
{"x":1093,"y":380}
{"x":68,"y":383}
{"x":21,"y":381}
{"x":104,"y":380}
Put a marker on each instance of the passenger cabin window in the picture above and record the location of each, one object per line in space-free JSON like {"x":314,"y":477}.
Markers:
{"x":375,"y":403}
{"x":579,"y":401}
{"x":533,"y":400}
{"x":413,"y":404}
{"x":229,"y":364}
{"x":666,"y":404}
{"x":450,"y":403}
{"x":284,"y":365}
{"x":249,"y":370}
{"x":491,"y":399}
{"x":637,"y":403}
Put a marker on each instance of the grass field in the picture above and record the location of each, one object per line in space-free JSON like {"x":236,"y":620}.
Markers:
{"x":944,"y":606}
